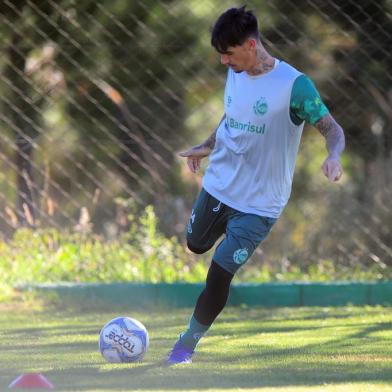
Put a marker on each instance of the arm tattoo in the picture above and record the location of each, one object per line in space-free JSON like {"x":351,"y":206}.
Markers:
{"x":333,"y":134}
{"x":210,"y":142}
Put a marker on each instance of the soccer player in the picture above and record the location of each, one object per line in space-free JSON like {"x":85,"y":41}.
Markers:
{"x":252,"y":156}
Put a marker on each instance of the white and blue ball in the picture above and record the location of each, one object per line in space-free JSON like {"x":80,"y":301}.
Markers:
{"x":123,"y":340}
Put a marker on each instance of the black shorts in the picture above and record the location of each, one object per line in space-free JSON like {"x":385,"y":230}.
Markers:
{"x":210,"y":219}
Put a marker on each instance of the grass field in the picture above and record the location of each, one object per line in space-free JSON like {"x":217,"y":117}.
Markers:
{"x":249,"y":349}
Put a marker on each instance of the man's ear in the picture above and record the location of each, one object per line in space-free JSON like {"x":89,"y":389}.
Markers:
{"x":251,"y":43}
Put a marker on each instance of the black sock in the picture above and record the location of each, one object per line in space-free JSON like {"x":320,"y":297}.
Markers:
{"x":214,"y":297}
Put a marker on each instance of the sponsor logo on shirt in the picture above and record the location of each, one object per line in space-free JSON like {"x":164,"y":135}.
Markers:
{"x":247,"y":127}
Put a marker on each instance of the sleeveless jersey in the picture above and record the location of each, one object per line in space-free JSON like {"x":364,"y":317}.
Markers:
{"x":252,"y":165}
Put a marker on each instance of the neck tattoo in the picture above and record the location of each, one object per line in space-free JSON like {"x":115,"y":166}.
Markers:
{"x":264,"y":63}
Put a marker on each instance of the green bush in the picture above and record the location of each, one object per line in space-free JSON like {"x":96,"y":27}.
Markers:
{"x":141,"y":254}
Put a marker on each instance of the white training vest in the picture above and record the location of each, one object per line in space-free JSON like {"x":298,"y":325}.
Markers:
{"x":252,"y":165}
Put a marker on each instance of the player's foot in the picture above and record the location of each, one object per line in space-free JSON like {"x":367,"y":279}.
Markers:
{"x":179,"y":354}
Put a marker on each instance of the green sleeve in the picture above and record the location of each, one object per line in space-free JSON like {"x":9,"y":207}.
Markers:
{"x":306,"y":103}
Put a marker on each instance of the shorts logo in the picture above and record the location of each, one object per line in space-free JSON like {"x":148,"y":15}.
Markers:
{"x":217,"y":208}
{"x":240,"y":256}
{"x":191,"y":221}
{"x":260,"y":107}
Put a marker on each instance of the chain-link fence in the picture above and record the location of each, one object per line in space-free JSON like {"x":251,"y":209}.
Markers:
{"x":98,"y":96}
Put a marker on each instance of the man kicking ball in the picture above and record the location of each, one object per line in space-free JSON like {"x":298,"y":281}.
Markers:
{"x":252,"y":157}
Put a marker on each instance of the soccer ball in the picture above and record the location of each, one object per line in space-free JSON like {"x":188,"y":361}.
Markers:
{"x":123,"y":339}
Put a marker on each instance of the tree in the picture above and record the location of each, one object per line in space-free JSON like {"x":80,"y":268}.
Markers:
{"x":125,"y":107}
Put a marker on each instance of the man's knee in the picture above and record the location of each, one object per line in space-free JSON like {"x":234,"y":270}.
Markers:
{"x":196,"y":249}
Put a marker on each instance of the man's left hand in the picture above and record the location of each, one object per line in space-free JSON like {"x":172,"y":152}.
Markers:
{"x":332,"y":169}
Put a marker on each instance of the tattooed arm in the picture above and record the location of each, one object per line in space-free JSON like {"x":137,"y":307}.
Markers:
{"x":197,"y":153}
{"x":335,"y":141}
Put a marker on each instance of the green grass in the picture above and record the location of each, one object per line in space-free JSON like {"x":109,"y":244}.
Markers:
{"x":248,"y":349}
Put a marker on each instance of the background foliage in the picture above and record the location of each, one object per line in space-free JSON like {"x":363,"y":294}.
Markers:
{"x":96,"y":98}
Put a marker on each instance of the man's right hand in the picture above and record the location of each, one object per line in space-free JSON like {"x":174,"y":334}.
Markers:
{"x":195,"y":155}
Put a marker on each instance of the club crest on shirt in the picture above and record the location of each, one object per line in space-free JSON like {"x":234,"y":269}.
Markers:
{"x":260,"y":107}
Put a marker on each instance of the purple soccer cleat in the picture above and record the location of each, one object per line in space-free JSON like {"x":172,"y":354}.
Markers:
{"x":179,"y":354}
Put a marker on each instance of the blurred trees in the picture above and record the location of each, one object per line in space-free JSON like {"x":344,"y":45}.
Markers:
{"x":96,"y":98}
{"x":345,"y":48}
{"x":116,"y":72}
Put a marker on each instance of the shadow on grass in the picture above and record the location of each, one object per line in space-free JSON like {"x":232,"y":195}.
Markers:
{"x":160,"y":377}
{"x":77,"y":366}
{"x":335,"y":361}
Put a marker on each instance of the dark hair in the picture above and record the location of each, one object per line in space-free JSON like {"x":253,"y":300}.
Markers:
{"x":233,"y":28}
